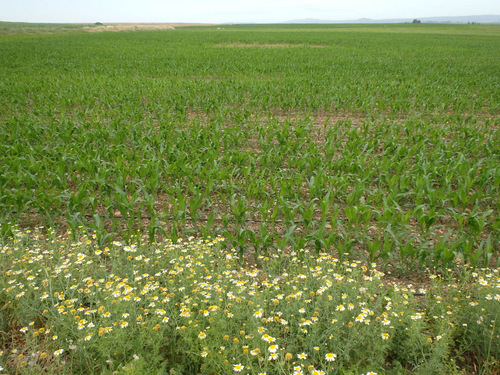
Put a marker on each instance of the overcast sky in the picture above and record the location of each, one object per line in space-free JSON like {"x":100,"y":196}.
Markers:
{"x":224,"y":11}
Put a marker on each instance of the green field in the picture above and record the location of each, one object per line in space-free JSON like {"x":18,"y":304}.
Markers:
{"x":377,"y":145}
{"x":380,"y":141}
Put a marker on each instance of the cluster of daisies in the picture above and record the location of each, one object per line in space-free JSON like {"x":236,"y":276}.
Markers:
{"x":291,"y":313}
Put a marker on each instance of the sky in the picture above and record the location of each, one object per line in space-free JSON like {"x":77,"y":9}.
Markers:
{"x":234,"y":11}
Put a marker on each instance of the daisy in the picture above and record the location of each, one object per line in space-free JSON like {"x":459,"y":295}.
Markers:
{"x":273,"y":348}
{"x":273,"y":356}
{"x":238,"y":368}
{"x":268,"y":338}
{"x":255,"y":351}
{"x":258,"y":313}
{"x":330,"y":357}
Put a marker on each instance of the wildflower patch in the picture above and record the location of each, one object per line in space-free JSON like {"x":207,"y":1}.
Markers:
{"x":192,"y":305}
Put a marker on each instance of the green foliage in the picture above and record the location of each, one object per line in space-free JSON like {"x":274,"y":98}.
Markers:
{"x":378,"y":142}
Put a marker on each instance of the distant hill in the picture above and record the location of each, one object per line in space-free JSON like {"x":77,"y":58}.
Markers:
{"x":486,"y":19}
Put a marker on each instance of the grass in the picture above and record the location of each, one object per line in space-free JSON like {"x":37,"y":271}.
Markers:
{"x":371,"y":151}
